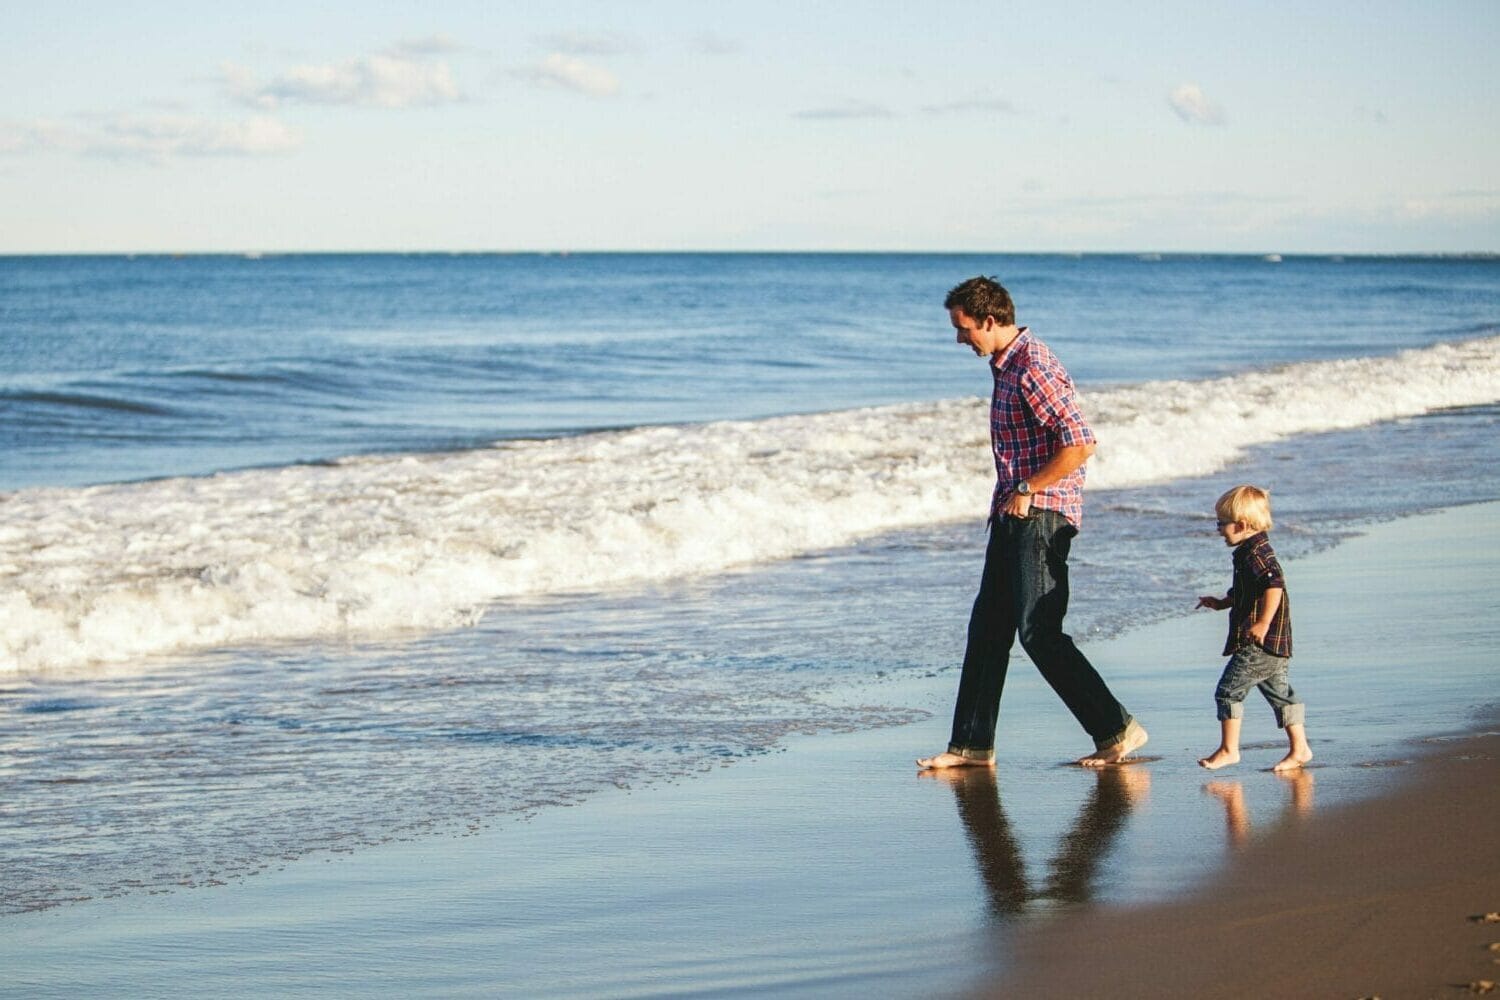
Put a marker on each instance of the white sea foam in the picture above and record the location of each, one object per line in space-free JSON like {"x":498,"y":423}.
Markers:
{"x":367,"y":546}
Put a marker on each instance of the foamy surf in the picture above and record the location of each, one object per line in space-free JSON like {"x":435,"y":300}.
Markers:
{"x":370,"y":546}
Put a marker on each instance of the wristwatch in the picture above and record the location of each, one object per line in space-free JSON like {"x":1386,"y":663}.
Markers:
{"x":1023,"y":488}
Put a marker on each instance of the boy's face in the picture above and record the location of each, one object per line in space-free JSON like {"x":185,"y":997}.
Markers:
{"x":1233,"y":532}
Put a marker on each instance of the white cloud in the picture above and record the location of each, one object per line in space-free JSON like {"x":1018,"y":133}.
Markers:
{"x":981,"y":105}
{"x":851,"y":110}
{"x":711,"y":44}
{"x":24,"y":137}
{"x":154,"y":137}
{"x":578,"y":43}
{"x":431,"y":45}
{"x":1193,"y":107}
{"x":380,"y":81}
{"x":559,"y":70}
{"x":1455,"y":206}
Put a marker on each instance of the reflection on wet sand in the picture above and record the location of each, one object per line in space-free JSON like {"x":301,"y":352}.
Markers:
{"x":1072,"y":870}
{"x":1231,"y":792}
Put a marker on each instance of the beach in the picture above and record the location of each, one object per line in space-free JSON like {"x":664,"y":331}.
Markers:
{"x":1386,"y":898}
{"x":492,"y":501}
{"x":832,"y":866}
{"x":355,"y":639}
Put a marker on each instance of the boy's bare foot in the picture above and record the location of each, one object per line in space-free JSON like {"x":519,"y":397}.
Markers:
{"x":1135,"y":738}
{"x":1219,"y":758}
{"x":947,"y":759}
{"x":1293,"y":760}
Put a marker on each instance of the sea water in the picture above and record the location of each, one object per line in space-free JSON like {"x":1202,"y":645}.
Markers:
{"x":301,"y":554}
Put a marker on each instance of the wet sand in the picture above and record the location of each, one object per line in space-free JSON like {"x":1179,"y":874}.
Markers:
{"x":1374,"y":899}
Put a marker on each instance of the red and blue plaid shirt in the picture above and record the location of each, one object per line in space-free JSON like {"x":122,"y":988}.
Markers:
{"x":1033,"y":414}
{"x":1256,"y":570}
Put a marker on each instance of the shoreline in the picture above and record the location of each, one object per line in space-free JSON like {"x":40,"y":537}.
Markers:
{"x":1376,"y":898}
{"x":831,"y":866}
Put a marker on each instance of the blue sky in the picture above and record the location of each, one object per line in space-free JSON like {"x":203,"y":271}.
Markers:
{"x":1238,"y":127}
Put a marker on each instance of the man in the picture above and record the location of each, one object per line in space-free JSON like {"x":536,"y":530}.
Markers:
{"x":1040,"y":441}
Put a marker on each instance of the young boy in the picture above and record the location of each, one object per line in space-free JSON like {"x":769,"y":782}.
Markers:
{"x":1260,"y":631}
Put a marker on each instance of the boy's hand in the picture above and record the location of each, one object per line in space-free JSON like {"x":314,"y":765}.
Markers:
{"x":1215,"y":603}
{"x":1258,"y":632}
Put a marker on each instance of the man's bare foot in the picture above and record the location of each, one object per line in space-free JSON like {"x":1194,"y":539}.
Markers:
{"x":1293,"y":760}
{"x":947,"y":759}
{"x":1219,"y":758}
{"x":1135,"y":738}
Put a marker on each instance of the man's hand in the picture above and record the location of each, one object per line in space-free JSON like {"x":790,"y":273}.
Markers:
{"x":1211,"y":602}
{"x":1064,"y":462}
{"x":1016,"y":505}
{"x":1258,"y":632}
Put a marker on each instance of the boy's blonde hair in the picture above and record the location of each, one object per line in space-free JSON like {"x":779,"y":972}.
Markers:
{"x":1249,"y":505}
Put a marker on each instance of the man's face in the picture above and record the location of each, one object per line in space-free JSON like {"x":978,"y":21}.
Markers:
{"x":983,"y":338}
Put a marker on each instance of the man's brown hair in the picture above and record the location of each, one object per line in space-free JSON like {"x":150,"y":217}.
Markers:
{"x":980,"y":297}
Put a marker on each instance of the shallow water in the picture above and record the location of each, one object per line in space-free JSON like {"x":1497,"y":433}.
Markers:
{"x":835,"y":866}
{"x":196,"y":771}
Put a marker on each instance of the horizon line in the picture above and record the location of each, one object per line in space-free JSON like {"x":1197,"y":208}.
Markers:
{"x":1147,"y":254}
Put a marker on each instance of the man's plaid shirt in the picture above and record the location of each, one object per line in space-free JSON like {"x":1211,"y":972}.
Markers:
{"x":1255,"y":572}
{"x":1033,"y":413}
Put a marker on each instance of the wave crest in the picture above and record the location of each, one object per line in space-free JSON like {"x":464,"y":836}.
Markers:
{"x":368,"y":546}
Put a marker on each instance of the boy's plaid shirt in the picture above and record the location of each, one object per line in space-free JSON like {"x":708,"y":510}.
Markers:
{"x":1033,"y":413}
{"x":1256,"y":571}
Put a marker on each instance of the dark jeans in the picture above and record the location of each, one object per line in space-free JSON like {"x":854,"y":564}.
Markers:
{"x":1025,"y":592}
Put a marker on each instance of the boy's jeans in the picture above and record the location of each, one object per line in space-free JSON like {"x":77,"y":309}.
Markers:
{"x":1249,"y":667}
{"x":1025,"y":591}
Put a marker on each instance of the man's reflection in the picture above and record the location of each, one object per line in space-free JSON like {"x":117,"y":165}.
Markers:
{"x":1231,"y":793}
{"x":1072,"y":870}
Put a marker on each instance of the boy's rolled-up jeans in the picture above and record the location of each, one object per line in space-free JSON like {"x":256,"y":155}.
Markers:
{"x":1024,"y":594}
{"x":1253,"y":667}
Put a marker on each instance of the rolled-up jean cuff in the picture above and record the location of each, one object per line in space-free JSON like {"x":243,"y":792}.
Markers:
{"x":1114,"y":740}
{"x":1231,"y":710}
{"x":1291,"y":715}
{"x":968,"y":754}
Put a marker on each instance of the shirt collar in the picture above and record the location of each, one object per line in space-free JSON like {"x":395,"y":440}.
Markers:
{"x":1001,"y":359}
{"x":1251,"y":542}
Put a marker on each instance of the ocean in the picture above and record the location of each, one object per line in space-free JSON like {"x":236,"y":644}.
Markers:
{"x":307,"y":553}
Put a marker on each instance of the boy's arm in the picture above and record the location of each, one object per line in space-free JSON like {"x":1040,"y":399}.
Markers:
{"x":1269,"y":602}
{"x":1216,"y":603}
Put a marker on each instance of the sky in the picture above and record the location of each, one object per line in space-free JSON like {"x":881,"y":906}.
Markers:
{"x":1267,"y":127}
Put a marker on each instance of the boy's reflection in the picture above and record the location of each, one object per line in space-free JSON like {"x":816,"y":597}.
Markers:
{"x":1237,"y":817}
{"x":1072,"y":870}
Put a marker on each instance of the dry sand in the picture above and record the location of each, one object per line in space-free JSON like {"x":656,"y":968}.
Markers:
{"x":1377,"y":899}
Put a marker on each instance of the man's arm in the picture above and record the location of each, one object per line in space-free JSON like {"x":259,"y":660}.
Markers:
{"x":1064,"y":462}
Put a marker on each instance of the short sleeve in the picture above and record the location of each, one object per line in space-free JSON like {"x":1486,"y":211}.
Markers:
{"x":1267,"y":570}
